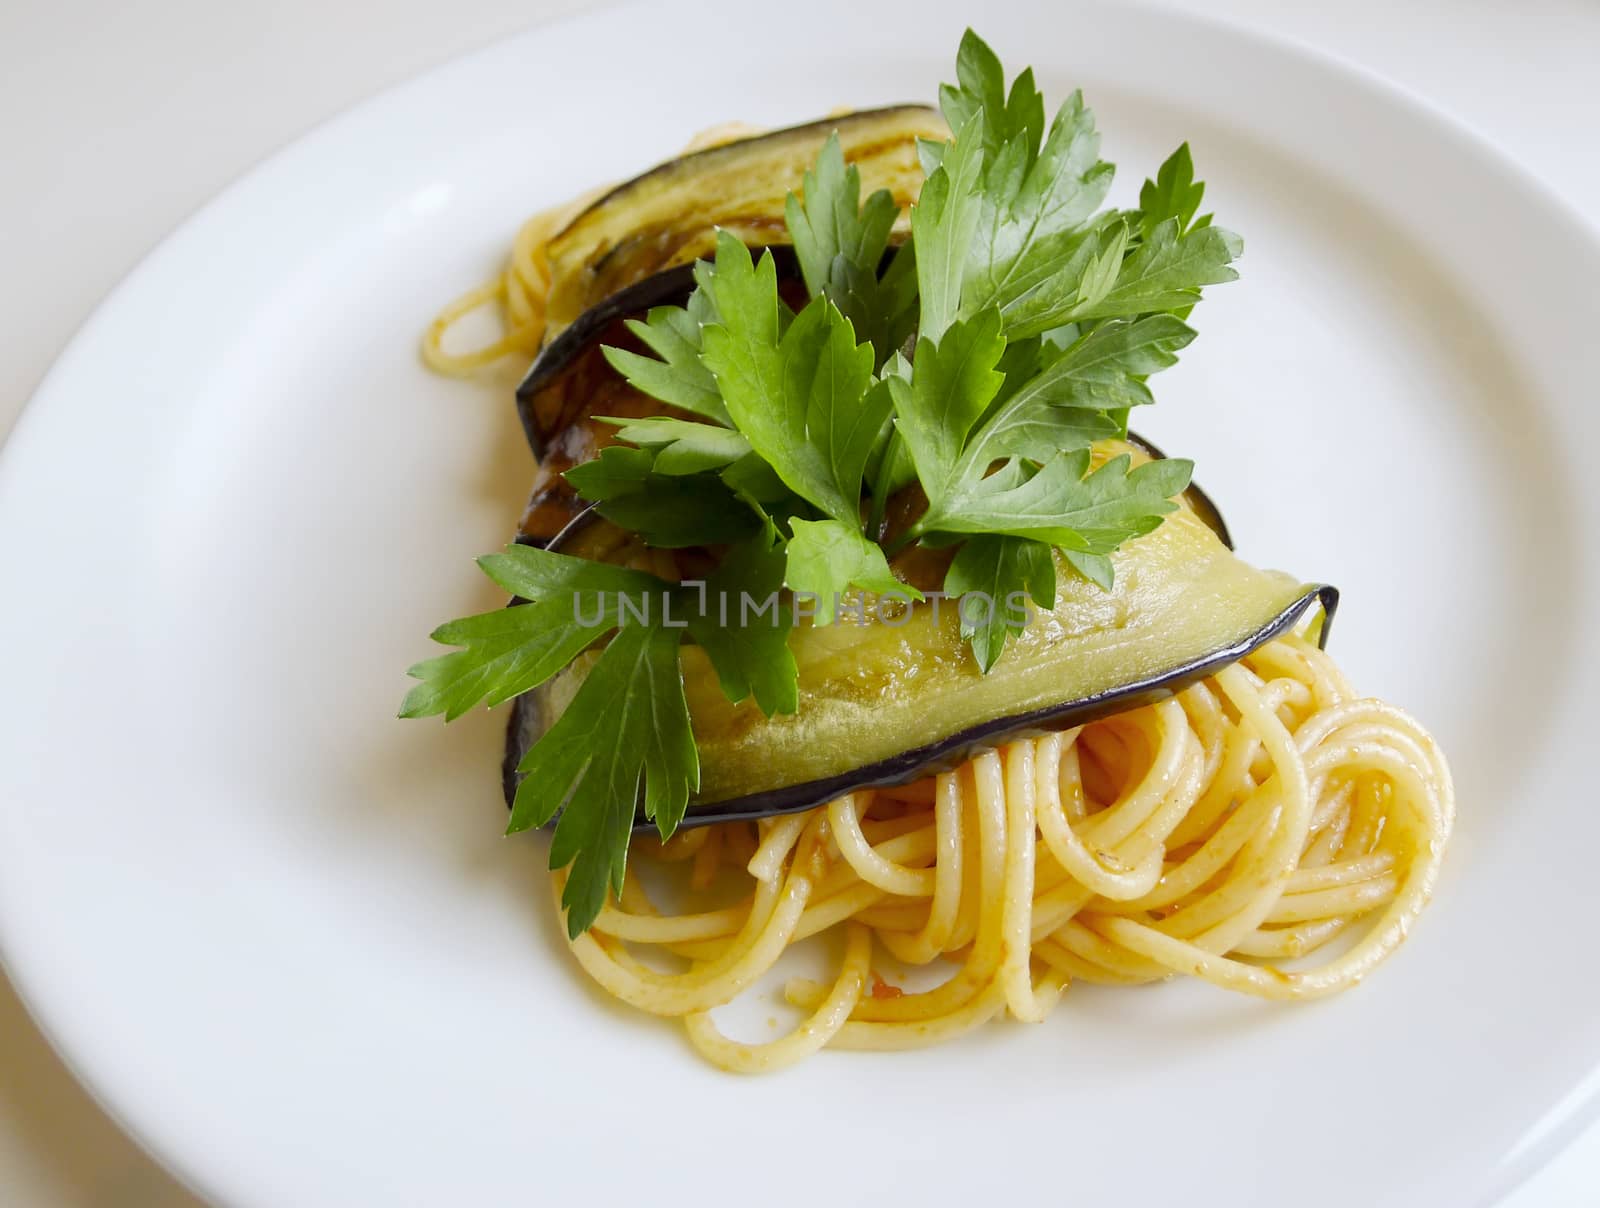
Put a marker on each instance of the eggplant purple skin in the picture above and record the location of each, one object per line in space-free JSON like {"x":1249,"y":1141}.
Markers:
{"x":950,"y":752}
{"x":524,"y":726}
{"x":672,"y":286}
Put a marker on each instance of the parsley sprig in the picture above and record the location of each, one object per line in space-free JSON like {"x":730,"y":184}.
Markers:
{"x":977,"y":362}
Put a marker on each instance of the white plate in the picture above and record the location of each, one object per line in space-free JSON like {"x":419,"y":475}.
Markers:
{"x":276,"y":930}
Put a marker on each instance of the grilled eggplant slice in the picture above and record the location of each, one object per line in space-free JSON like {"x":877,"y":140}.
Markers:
{"x":670,"y":215}
{"x":890,"y":701}
{"x":634,"y":248}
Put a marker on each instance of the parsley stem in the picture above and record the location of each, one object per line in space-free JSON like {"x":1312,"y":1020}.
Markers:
{"x":905,"y":539}
{"x":880,"y":488}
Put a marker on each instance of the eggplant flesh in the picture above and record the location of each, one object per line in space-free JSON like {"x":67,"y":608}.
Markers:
{"x":669,"y":216}
{"x":900,"y":698}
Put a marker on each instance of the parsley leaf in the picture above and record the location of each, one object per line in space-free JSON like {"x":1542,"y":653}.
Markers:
{"x":611,"y":472}
{"x":1033,"y":200}
{"x":883,"y":310}
{"x":753,"y":480}
{"x":682,"y":446}
{"x":1096,"y":568}
{"x":1015,"y":226}
{"x":504,"y":654}
{"x":751,"y":655}
{"x":626,"y":729}
{"x":510,"y":650}
{"x":827,"y":557}
{"x":798,"y":389}
{"x":985,"y":575}
{"x":1045,"y":294}
{"x":952,"y":381}
{"x":1174,"y":193}
{"x":1107,"y":366}
{"x":670,"y":511}
{"x":541,"y":575}
{"x":1033,"y":206}
{"x":1058,"y":503}
{"x":982,"y":86}
{"x":1037,"y":427}
{"x":1076,"y":398}
{"x":673,"y":333}
{"x":888,"y":470}
{"x":1166,"y":271}
{"x":1104,"y":267}
{"x":943,"y":224}
{"x":838,"y":241}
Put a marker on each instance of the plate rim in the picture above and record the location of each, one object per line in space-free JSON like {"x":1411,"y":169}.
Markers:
{"x":1565,"y":1119}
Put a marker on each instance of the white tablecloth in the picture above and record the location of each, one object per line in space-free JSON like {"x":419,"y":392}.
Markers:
{"x":119,"y":118}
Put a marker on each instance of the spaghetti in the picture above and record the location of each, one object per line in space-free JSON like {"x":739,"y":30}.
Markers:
{"x":1253,"y":819}
{"x":519,"y":290}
